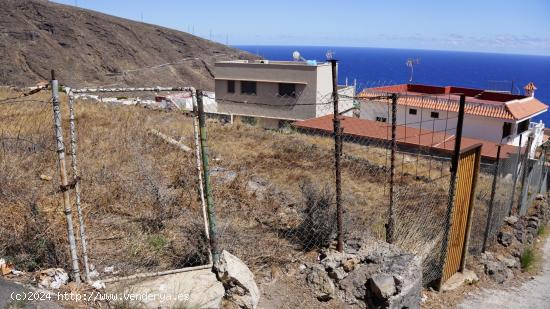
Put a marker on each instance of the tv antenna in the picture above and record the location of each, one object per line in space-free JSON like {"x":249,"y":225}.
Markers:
{"x":411,"y":63}
{"x":297,"y":56}
{"x":330,"y":54}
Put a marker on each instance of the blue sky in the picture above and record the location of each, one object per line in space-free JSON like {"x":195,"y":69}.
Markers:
{"x":510,"y":26}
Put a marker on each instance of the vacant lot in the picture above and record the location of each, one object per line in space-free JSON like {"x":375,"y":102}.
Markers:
{"x":273,"y":191}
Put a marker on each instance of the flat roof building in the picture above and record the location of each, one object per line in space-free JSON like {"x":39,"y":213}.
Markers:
{"x":275,"y":91}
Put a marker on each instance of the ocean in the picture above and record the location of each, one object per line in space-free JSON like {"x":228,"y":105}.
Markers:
{"x":372,"y":67}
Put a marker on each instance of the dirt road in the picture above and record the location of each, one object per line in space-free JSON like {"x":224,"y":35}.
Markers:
{"x":532,"y":294}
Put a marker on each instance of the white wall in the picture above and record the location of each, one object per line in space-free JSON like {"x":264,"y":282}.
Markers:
{"x":478,"y":127}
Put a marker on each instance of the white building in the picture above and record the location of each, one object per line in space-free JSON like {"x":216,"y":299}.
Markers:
{"x":491,"y":116}
{"x":273,"y":92}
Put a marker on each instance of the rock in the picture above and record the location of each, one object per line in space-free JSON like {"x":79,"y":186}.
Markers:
{"x":458,"y":279}
{"x":257,"y":187}
{"x":46,"y":177}
{"x":332,"y":259}
{"x":189,"y":289}
{"x":318,"y":279}
{"x":505,"y":238}
{"x":520,"y":236}
{"x":94,"y":274}
{"x":354,"y":285}
{"x":533,"y":223}
{"x":238,"y":281}
{"x":109,"y":270}
{"x":350,"y":264}
{"x":52,"y":278}
{"x":508,"y":262}
{"x":382,"y":286}
{"x":511,"y":220}
{"x":496,"y":271}
{"x":337,"y":274}
{"x":98,"y":285}
{"x":540,"y":197}
{"x":302,"y":268}
{"x":222,"y":175}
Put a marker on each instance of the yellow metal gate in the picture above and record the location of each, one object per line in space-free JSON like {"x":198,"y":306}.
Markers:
{"x":461,"y":215}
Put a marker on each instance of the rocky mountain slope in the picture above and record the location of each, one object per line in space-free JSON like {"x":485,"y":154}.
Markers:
{"x":87,"y":48}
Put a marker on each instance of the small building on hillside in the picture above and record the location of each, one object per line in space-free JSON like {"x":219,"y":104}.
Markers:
{"x":497,"y":117}
{"x":275,"y":92}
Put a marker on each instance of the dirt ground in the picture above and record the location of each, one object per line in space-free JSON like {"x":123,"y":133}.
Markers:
{"x":142,"y":210}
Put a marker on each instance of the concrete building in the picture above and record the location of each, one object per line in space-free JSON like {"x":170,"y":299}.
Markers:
{"x":275,"y":92}
{"x":490,"y":116}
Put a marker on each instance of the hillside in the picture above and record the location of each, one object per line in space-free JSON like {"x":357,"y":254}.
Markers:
{"x":87,"y":48}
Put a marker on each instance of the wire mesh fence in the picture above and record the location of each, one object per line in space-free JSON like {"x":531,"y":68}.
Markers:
{"x":274,"y":192}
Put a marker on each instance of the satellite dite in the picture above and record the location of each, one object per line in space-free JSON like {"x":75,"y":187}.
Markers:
{"x":298,"y":58}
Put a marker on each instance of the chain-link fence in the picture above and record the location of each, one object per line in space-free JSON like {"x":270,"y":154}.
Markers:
{"x":276,"y":192}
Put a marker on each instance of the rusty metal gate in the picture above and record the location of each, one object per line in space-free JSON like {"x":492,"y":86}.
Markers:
{"x":468,"y":168}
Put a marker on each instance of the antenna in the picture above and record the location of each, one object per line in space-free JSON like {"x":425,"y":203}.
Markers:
{"x":330,"y":54}
{"x":411,"y":63}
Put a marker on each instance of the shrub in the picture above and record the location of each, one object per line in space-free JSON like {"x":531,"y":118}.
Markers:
{"x":528,"y":258}
{"x":319,"y":225}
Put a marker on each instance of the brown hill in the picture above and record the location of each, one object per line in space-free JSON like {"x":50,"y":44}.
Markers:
{"x":87,"y":48}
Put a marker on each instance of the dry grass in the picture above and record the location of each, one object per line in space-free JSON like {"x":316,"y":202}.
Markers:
{"x":140,"y":200}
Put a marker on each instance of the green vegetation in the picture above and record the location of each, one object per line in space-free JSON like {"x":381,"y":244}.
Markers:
{"x":541,"y":231}
{"x":157,"y":241}
{"x":528,"y":259}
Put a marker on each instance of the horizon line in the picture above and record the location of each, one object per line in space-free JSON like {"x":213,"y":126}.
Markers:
{"x":395,"y":48}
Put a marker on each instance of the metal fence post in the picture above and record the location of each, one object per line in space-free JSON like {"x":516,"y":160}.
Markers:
{"x":64,"y":187}
{"x":391,"y":218}
{"x":491,"y":202}
{"x":337,"y":155}
{"x":199,"y":168}
{"x":76,"y":180}
{"x":516,"y":172}
{"x":208,"y":190}
{"x":525,"y":169}
{"x":452,"y":187}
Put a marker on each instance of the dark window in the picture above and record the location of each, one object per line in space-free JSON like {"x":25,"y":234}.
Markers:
{"x":287,"y":90}
{"x":506,"y":129}
{"x":381,"y":119}
{"x":230,"y":86}
{"x":523,"y":126}
{"x":248,"y":87}
{"x":412,"y":111}
{"x":434,"y":115}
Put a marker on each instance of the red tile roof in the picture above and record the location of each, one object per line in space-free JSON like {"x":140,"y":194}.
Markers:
{"x":406,"y":136}
{"x":478,"y":102}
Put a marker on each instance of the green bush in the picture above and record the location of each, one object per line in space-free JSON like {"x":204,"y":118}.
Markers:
{"x":528,"y":258}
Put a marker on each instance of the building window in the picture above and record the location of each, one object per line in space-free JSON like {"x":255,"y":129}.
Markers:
{"x":381,"y":119}
{"x":434,"y":115}
{"x":230,"y":86}
{"x":288,"y":90}
{"x":523,"y":126}
{"x":412,"y":111}
{"x":506,"y":129}
{"x":248,"y":87}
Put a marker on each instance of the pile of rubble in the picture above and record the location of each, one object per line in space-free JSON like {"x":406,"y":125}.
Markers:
{"x":517,"y":235}
{"x":370,"y":274}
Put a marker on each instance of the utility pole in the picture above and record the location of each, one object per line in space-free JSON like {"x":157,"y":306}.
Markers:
{"x":337,"y":156}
